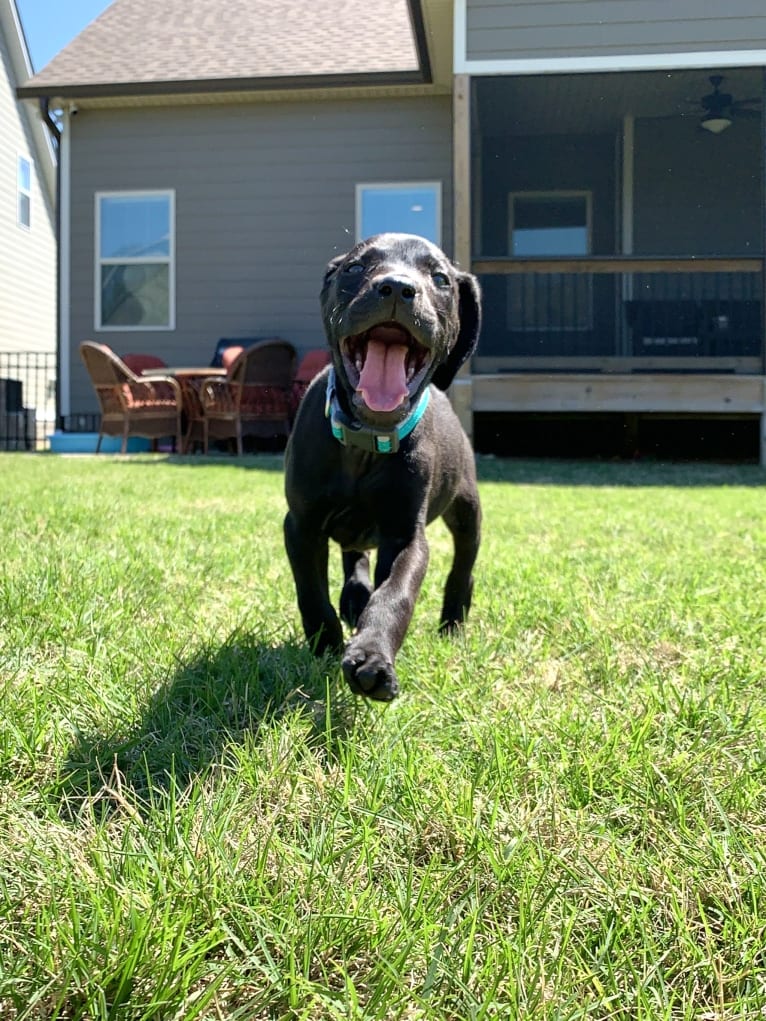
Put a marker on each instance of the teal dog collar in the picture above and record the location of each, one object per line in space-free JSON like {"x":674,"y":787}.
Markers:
{"x":352,"y":434}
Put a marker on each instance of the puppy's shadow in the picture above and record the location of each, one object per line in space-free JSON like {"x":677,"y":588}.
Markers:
{"x":221,"y":696}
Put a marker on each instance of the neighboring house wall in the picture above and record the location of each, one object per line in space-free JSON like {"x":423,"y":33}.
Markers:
{"x":27,"y":254}
{"x":264,"y":197}
{"x":588,"y":28}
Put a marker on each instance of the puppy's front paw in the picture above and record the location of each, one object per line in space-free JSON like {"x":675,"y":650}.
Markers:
{"x":369,"y":673}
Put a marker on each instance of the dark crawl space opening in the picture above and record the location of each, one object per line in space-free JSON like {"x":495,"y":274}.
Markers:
{"x":618,"y":436}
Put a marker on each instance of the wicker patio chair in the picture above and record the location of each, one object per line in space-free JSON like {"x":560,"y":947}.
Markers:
{"x":131,"y":405}
{"x":255,"y":396}
{"x":153,"y":365}
{"x":195,"y":427}
{"x":231,"y":354}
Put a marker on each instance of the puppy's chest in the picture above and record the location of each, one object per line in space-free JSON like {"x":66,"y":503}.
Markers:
{"x":361,"y":512}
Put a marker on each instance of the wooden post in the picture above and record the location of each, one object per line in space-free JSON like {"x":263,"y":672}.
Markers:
{"x":461,"y":170}
{"x":461,"y":393}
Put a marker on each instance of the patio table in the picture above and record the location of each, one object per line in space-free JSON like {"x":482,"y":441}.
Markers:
{"x":190,"y":379}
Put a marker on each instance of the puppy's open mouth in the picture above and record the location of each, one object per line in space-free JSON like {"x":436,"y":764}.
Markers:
{"x":385,"y":365}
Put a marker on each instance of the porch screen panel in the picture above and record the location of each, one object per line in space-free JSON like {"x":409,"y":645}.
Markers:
{"x":552,"y":224}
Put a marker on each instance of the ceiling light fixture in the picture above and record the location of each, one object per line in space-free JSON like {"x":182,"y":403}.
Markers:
{"x":715,"y":123}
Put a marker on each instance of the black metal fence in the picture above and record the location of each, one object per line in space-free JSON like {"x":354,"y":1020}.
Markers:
{"x":27,"y":399}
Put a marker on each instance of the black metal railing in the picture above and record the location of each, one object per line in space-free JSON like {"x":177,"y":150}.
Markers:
{"x":680,"y":312}
{"x":27,"y":399}
{"x":88,"y":422}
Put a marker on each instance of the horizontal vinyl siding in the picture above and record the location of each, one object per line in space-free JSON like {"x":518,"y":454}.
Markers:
{"x":504,"y":30}
{"x":27,"y":256}
{"x":264,"y":198}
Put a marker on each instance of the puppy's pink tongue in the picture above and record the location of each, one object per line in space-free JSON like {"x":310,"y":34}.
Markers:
{"x":383,"y":382}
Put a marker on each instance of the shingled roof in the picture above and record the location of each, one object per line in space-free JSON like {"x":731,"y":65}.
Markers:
{"x":140,"y":46}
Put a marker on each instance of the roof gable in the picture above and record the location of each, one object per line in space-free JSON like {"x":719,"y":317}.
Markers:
{"x":136,"y":46}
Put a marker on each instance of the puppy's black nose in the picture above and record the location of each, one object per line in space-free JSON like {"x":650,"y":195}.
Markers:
{"x":397,"y":286}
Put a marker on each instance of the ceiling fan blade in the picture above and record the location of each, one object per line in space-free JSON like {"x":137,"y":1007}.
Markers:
{"x":674,"y":116}
{"x":745,"y":114}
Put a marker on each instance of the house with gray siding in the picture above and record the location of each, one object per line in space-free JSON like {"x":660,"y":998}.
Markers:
{"x":597,"y":163}
{"x":28,"y":291}
{"x":27,"y":204}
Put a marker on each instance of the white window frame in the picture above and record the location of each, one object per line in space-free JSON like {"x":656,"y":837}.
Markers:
{"x":170,"y":260}
{"x":26,"y":193}
{"x":398,"y":186}
{"x":553,"y":193}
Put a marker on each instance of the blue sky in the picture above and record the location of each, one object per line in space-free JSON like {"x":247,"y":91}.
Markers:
{"x":50,"y":24}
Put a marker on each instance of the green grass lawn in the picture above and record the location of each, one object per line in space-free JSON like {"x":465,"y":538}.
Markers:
{"x":563,"y":816}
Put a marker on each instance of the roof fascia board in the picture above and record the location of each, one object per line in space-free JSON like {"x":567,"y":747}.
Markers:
{"x":217,"y":85}
{"x":16,"y":40}
{"x":421,"y":40}
{"x":21,"y":66}
{"x":611,"y":62}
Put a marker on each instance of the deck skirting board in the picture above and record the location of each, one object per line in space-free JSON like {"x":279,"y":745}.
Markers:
{"x":651,"y":393}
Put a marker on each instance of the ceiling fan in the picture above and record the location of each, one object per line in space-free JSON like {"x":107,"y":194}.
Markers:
{"x":718,"y":109}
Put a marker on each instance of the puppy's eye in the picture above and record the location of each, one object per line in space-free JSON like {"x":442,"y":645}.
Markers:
{"x":440,"y":279}
{"x":355,"y":267}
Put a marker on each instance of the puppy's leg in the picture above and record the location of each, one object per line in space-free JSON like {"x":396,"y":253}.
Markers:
{"x":308,"y":553}
{"x":463,"y":518}
{"x":368,"y":662}
{"x":357,"y":587}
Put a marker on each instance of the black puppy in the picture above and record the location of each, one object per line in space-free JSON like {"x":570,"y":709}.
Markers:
{"x":376,"y":452}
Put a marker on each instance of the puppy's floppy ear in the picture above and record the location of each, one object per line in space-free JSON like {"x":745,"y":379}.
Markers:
{"x":469,"y":312}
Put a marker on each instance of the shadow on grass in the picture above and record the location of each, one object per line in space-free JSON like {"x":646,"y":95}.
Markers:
{"x":573,"y":472}
{"x":267,"y":462}
{"x":218,"y":697}
{"x":530,"y":471}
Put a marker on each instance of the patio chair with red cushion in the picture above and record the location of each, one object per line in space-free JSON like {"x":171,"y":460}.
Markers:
{"x":146,"y":364}
{"x":139,"y":362}
{"x":192,"y":389}
{"x":310,"y":365}
{"x":255,"y":396}
{"x":230,"y":355}
{"x":132,"y":405}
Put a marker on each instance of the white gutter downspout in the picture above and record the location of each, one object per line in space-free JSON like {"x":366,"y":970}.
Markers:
{"x":65,"y":227}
